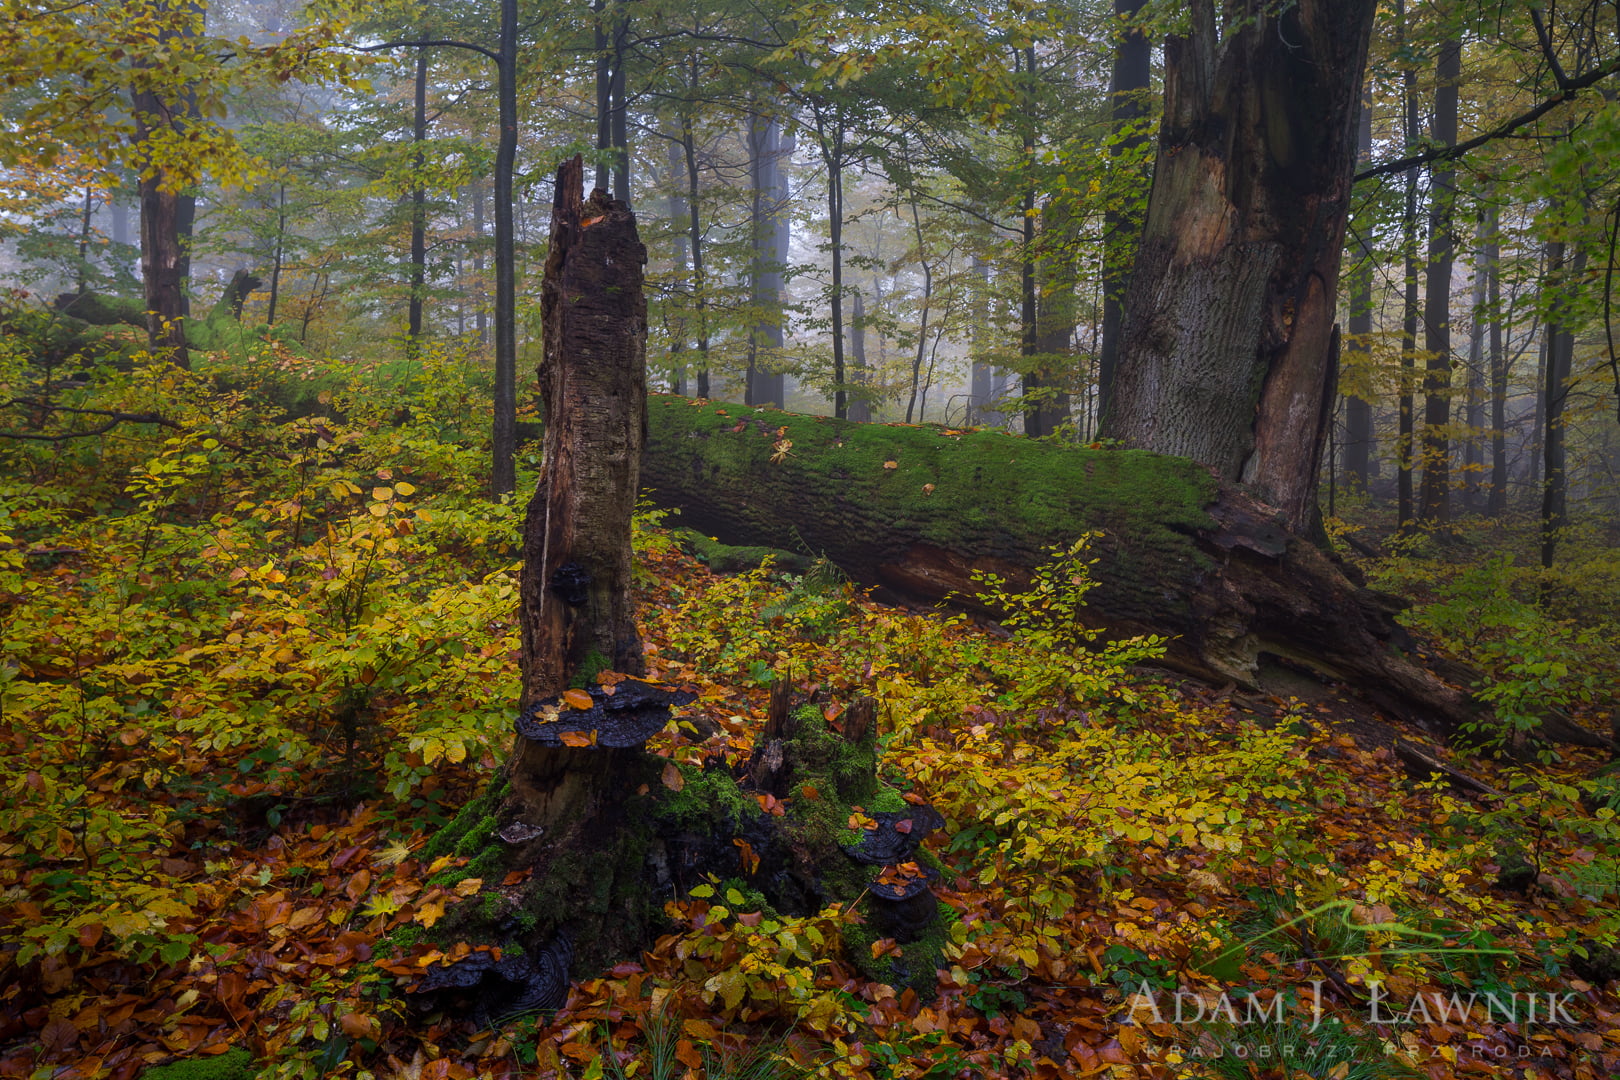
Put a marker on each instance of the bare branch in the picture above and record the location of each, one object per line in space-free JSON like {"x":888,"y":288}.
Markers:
{"x":432,"y":44}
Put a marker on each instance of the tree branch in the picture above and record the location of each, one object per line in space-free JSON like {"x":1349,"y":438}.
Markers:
{"x":115,"y":418}
{"x":433,"y":44}
{"x":1569,"y":88}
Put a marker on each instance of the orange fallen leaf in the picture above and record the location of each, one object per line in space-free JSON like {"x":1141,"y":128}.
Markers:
{"x":577,"y":738}
{"x":673,"y":778}
{"x":891,"y":464}
{"x":578,"y":699}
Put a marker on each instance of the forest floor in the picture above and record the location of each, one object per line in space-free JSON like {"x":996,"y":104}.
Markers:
{"x":244,"y":682}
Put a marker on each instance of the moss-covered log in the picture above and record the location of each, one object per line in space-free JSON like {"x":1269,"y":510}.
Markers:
{"x":917,"y":509}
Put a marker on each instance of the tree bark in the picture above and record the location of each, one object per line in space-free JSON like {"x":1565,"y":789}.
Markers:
{"x":1229,"y":343}
{"x":1434,"y":504}
{"x":1127,"y":91}
{"x":413,"y":333}
{"x":503,"y":465}
{"x":1404,"y":445}
{"x":769,"y":219}
{"x":1358,"y":424}
{"x":576,"y":546}
{"x":1497,"y":505}
{"x":1182,"y":554}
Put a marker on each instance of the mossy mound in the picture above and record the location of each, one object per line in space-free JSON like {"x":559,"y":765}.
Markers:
{"x":732,"y":559}
{"x":233,"y":1064}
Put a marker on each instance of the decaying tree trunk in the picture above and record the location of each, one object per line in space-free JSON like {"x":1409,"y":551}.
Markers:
{"x":1229,"y":346}
{"x":918,"y":509}
{"x":577,"y":618}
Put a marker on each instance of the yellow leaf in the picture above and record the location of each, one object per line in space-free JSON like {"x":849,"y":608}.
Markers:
{"x":578,"y":699}
{"x":405,"y":489}
{"x":379,"y":510}
{"x":430,"y":914}
{"x":468,"y":886}
{"x":456,"y":752}
{"x":891,"y":464}
{"x":672,"y":777}
{"x":382,"y":494}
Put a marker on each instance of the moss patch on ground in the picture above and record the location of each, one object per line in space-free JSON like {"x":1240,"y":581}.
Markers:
{"x":233,"y":1064}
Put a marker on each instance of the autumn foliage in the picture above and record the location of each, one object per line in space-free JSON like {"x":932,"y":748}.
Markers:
{"x":254,"y":660}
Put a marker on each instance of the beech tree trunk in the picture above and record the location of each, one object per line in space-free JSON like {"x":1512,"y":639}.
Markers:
{"x":1229,"y":347}
{"x":1183,"y":554}
{"x":1434,"y":505}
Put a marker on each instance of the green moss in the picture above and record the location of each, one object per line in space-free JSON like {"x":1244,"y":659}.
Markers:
{"x":589,"y":668}
{"x":471,"y":827}
{"x":708,"y":800}
{"x":916,"y":966}
{"x":233,"y":1064}
{"x":731,"y":559}
{"x":998,"y":494}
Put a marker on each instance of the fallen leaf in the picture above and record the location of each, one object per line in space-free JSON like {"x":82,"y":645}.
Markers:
{"x":891,"y":464}
{"x":673,"y":778}
{"x":578,"y":699}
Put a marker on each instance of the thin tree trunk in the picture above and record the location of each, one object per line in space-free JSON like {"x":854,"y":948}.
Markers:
{"x":84,"y":239}
{"x":1434,"y":506}
{"x":679,"y":246}
{"x":413,"y":335}
{"x":1029,"y":343}
{"x":1474,"y":414}
{"x":619,"y":130}
{"x":1560,"y":364}
{"x":1497,"y":504}
{"x":503,"y":470}
{"x":1358,"y":439}
{"x":480,"y":319}
{"x":860,"y":408}
{"x":922,"y":323}
{"x":700,"y":285}
{"x":604,"y":96}
{"x":832,"y":156}
{"x":279,"y":254}
{"x":1127,"y":93}
{"x":1405,"y":445}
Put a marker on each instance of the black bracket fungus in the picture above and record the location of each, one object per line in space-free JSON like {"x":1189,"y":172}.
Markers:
{"x":571,"y":582}
{"x":514,"y":983}
{"x":902,"y":905}
{"x":624,"y":715}
{"x":893,"y":841}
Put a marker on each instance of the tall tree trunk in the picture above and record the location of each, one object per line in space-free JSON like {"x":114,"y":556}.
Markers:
{"x":700,"y":284}
{"x":576,"y":608}
{"x":860,"y":408}
{"x":922,"y":321}
{"x":1497,"y":504}
{"x":278,"y":254}
{"x":1358,"y":436}
{"x":830,"y":136}
{"x":604,"y":95}
{"x":413,"y":338}
{"x":1474,"y":407}
{"x":679,"y":244}
{"x":1434,"y":507}
{"x":1229,"y":347}
{"x":1029,"y":331}
{"x":619,"y":128}
{"x":1405,"y":512}
{"x":1055,"y":315}
{"x":1127,"y":92}
{"x":503,"y":471}
{"x":769,"y":220}
{"x":480,"y":319}
{"x":985,"y":386}
{"x":1560,"y":363}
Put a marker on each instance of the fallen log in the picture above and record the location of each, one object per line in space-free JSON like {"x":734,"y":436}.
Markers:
{"x":916,"y":510}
